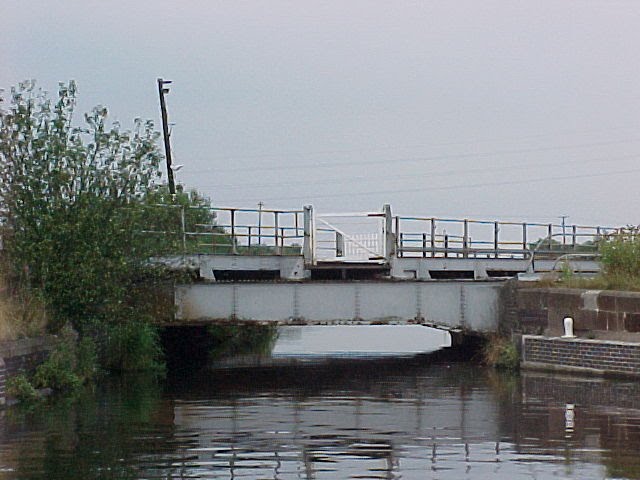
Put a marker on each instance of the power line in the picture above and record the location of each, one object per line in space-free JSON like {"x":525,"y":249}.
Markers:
{"x":413,"y":159}
{"x":454,"y":187}
{"x":441,"y":173}
{"x":430,"y":145}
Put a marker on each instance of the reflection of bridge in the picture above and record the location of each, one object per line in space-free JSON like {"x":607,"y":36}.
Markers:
{"x":294,"y":266}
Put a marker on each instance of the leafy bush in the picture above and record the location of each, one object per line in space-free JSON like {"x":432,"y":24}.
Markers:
{"x":621,"y":254}
{"x":500,"y":353}
{"x":21,"y":389}
{"x":58,"y":371}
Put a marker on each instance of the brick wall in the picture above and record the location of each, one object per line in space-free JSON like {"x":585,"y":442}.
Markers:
{"x":602,"y":314}
{"x":596,"y":356}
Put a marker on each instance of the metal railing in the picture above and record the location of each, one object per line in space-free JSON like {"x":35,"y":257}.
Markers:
{"x":227,"y":230}
{"x":363,"y":236}
{"x":432,"y":237}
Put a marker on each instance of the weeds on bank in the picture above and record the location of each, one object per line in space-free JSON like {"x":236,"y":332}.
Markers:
{"x":71,"y":364}
{"x":22,"y":313}
{"x":500,"y":353}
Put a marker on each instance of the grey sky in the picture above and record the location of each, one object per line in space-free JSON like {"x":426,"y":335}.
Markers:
{"x":460,"y":108}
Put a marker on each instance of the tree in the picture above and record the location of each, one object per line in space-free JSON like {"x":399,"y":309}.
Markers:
{"x":70,"y":204}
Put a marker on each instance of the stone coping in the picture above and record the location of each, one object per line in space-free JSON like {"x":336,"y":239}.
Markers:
{"x":26,"y":346}
{"x":581,"y":340}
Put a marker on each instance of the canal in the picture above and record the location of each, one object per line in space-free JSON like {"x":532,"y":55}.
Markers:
{"x":318,"y":412}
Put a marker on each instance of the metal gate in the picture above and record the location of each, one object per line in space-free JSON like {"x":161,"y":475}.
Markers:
{"x":350,"y":237}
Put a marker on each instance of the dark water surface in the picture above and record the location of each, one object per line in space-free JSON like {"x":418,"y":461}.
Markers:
{"x":382,"y":418}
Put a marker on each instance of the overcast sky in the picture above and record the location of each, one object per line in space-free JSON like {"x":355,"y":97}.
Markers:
{"x":506,"y":109}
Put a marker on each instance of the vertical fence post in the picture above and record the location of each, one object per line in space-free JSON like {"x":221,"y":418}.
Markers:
{"x":446,"y":244}
{"x":524,"y":237}
{"x":496,"y":240}
{"x":275,"y":232}
{"x":550,"y":235}
{"x":424,"y":245}
{"x":249,"y":240}
{"x":339,"y":245}
{"x":398,"y":238}
{"x":573,"y":236}
{"x":465,"y":239}
{"x":234,"y":250}
{"x":183,"y":222}
{"x":400,"y":245}
{"x":307,"y":244}
{"x":389,"y":240}
{"x":433,"y":237}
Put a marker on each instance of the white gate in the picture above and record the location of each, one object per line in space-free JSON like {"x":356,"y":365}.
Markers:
{"x":350,"y":237}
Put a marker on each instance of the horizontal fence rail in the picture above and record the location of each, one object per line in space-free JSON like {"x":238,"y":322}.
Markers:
{"x":433,"y":237}
{"x":228,"y":231}
{"x":365,"y":236}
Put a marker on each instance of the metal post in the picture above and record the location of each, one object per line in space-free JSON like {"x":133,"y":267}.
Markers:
{"x":496,"y":241}
{"x":433,"y":237}
{"x":573,"y":236}
{"x":275,"y":232}
{"x":400,"y":245}
{"x":249,"y":240}
{"x":260,"y":205}
{"x":307,"y":244}
{"x":465,"y":239}
{"x":446,"y":245}
{"x":233,"y":232}
{"x":424,"y":245}
{"x":550,"y":234}
{"x":524,"y":236}
{"x":390,"y":241}
{"x":339,"y":245}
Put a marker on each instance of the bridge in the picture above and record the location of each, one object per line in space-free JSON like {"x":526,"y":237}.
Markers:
{"x":301,"y":267}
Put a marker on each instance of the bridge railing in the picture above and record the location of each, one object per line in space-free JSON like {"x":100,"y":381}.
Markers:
{"x":227,"y":230}
{"x":433,"y":237}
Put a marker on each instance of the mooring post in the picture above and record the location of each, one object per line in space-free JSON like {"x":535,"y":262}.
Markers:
{"x":389,"y":241}
{"x":307,"y":248}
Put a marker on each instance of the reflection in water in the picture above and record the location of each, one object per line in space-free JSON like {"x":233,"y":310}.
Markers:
{"x":379,"y":418}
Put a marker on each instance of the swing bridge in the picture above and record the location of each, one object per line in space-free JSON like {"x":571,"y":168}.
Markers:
{"x":308,"y":268}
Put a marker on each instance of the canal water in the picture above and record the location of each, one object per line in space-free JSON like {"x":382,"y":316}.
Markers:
{"x":331,"y":416}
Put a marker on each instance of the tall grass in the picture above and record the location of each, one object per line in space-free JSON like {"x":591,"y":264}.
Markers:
{"x":22,"y":313}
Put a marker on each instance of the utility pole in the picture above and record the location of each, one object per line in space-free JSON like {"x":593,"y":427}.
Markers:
{"x":162,"y":90}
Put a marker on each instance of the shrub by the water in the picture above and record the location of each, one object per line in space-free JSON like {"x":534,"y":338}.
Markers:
{"x":20,"y":388}
{"x":500,"y":352}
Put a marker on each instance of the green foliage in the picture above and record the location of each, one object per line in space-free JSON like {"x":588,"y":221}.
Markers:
{"x":242,"y":339}
{"x":58,"y":371}
{"x":20,"y":388}
{"x":500,"y":353}
{"x":86,"y":358}
{"x":621,"y":254}
{"x":77,"y":204}
{"x":132,"y":346}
